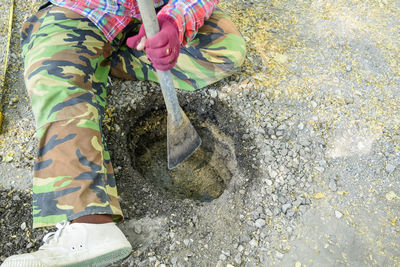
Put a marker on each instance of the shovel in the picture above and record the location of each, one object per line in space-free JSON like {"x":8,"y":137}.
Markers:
{"x":182,"y":138}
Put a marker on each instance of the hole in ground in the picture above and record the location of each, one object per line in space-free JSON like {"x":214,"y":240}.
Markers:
{"x":203,"y":176}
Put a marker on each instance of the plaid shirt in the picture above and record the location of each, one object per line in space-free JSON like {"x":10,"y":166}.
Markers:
{"x":111,"y":16}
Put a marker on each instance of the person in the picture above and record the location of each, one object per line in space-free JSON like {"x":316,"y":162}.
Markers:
{"x":69,"y":49}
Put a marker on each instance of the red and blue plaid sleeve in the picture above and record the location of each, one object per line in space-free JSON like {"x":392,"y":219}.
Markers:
{"x":111,"y":16}
{"x":189,"y":15}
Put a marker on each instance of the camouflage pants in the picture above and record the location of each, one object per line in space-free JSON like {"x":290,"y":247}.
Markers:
{"x":67,"y":61}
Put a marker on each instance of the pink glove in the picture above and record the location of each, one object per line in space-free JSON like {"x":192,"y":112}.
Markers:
{"x":163,"y":48}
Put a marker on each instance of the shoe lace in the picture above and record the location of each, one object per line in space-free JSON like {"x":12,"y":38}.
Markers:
{"x":53,"y":236}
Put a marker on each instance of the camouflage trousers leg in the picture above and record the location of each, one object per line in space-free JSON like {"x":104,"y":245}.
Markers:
{"x":67,"y":61}
{"x":66,"y":71}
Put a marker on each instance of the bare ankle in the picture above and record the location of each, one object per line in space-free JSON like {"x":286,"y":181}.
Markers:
{"x":94,"y":218}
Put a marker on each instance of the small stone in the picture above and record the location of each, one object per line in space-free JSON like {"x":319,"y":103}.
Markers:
{"x":186,"y":242}
{"x":240,"y":248}
{"x":23,"y":226}
{"x":273,"y":173}
{"x":279,"y":255}
{"x":229,"y":265}
{"x":253,"y":243}
{"x":245,"y":136}
{"x":222,"y":257}
{"x":304,"y":142}
{"x":268,"y":182}
{"x":174,"y":260}
{"x":268,"y":212}
{"x":302,"y":209}
{"x":332,"y":185}
{"x":349,"y":100}
{"x":314,"y":104}
{"x":286,"y":206}
{"x":338,"y":214}
{"x":276,"y":211}
{"x":290,"y":213}
{"x":137,"y":228}
{"x":259,"y":223}
{"x":238,"y":259}
{"x":213,"y":93}
{"x":390,"y":168}
{"x":8,"y":158}
{"x":226,"y":253}
{"x":284,"y":152}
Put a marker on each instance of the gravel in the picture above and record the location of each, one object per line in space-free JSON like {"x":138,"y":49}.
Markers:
{"x":300,"y":115}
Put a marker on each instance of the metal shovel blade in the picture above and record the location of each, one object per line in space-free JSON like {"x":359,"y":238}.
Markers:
{"x":182,"y":138}
{"x":182,"y":141}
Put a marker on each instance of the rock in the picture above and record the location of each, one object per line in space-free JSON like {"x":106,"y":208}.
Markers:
{"x":332,"y":185}
{"x":244,"y":237}
{"x":279,"y":255}
{"x":302,"y":209}
{"x":23,"y":226}
{"x":390,"y":168}
{"x":286,"y":206}
{"x":213,"y":93}
{"x":319,"y":169}
{"x":273,"y":173}
{"x":290,"y":213}
{"x":267,"y":211}
{"x":222,"y":257}
{"x":226,"y":253}
{"x":259,"y":223}
{"x":137,"y":228}
{"x":253,"y":243}
{"x":238,"y":259}
{"x":276,"y":211}
{"x":338,"y":214}
{"x":304,"y":142}
{"x":245,"y":136}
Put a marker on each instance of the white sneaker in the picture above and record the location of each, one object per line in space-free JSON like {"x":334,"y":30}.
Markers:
{"x":77,"y":244}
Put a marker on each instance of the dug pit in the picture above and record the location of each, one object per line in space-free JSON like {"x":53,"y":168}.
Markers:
{"x":203,"y":176}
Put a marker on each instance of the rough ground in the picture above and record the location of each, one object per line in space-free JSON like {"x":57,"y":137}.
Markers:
{"x":309,"y":134}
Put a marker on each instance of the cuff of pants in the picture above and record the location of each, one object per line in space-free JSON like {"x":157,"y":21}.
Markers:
{"x":73,"y":175}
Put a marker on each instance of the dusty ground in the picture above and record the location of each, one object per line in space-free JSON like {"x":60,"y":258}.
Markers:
{"x":308,"y":133}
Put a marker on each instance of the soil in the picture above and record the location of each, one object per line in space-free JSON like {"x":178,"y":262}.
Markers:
{"x":203,"y":176}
